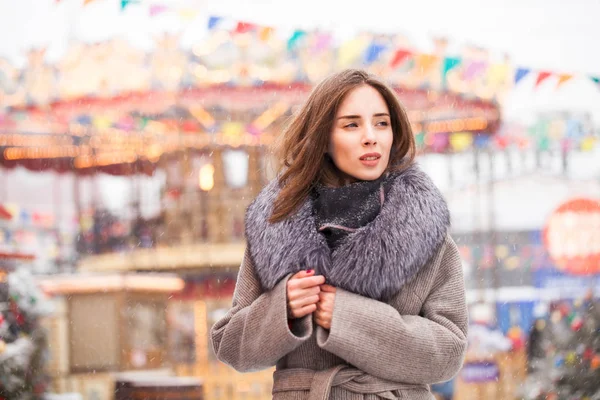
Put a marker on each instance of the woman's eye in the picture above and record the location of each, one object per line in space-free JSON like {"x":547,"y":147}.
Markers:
{"x":382,"y":123}
{"x":351,"y":125}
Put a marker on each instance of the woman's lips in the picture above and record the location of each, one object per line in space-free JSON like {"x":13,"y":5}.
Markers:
{"x":370,"y":159}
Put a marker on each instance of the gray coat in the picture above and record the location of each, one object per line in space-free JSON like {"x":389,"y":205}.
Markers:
{"x":400,"y":318}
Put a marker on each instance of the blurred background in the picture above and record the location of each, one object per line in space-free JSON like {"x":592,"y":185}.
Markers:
{"x":134,"y":133}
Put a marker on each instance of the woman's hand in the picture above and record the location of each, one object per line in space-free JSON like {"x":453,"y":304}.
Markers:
{"x":324,"y":311}
{"x":303,"y":293}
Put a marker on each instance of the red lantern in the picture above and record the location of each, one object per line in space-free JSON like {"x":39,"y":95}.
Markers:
{"x":572,"y":236}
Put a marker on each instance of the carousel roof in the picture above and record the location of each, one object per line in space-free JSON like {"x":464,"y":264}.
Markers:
{"x":130,"y":133}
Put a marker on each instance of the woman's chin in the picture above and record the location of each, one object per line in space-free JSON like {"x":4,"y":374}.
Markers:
{"x":367,"y":175}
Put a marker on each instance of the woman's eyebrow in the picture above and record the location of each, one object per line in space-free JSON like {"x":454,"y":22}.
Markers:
{"x":358,"y":116}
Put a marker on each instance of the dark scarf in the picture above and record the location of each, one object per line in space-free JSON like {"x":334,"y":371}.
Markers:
{"x":375,"y":260}
{"x":340,"y":211}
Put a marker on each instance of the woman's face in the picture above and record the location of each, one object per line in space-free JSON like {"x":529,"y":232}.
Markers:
{"x":361,"y":138}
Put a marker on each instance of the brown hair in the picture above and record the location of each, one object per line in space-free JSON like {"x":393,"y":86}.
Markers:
{"x":304,"y":143}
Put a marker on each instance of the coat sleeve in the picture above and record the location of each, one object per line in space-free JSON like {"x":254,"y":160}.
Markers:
{"x":255,"y":333}
{"x":374,"y":337}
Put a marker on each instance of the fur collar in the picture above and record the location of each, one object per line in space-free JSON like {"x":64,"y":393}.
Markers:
{"x":374,"y":261}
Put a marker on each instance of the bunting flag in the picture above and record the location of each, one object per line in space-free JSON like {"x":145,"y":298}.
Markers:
{"x":156,"y":9}
{"x":322,"y":42}
{"x":542,"y":76}
{"x":213,"y":22}
{"x":474,"y":69}
{"x":373,"y":52}
{"x":521,"y":73}
{"x":366,"y":49}
{"x":188,"y":15}
{"x":350,"y":51}
{"x":399,"y":57}
{"x":244,"y":27}
{"x":449,"y":64}
{"x":295,"y":39}
{"x":86,"y":2}
{"x":125,"y":3}
{"x":497,"y":74}
{"x":265,"y":33}
{"x":425,"y":62}
{"x":562,"y":78}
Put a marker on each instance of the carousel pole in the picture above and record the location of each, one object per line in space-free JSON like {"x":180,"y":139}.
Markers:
{"x":58,"y":219}
{"x":4,"y":184}
{"x":138,"y":203}
{"x":449,"y":158}
{"x":492,"y":224}
{"x":134,"y":206}
{"x":77,"y":201}
{"x":478,"y":237}
{"x":95,"y":206}
{"x":95,"y":194}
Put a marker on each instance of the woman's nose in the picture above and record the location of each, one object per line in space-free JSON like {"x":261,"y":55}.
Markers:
{"x":369,"y":136}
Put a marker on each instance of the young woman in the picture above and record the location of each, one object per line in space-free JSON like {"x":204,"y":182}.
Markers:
{"x":350,"y":285}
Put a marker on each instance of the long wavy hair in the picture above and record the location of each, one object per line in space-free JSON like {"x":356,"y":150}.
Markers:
{"x":303,"y":145}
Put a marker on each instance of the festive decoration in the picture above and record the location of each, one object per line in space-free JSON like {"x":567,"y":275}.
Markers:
{"x":521,"y":73}
{"x":258,"y":56}
{"x":157,"y":9}
{"x":474,"y":69}
{"x":542,"y":76}
{"x":449,"y":63}
{"x":373,"y":52}
{"x":399,"y":57}
{"x":244,"y":27}
{"x":129,"y":134}
{"x":572,"y":234}
{"x":265,"y":33}
{"x":562,"y":78}
{"x":23,"y":345}
{"x":293,"y":42}
{"x":125,"y":3}
{"x":425,"y":62}
{"x":213,"y":22}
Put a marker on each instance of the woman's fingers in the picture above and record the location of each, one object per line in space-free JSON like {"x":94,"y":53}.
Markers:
{"x":303,"y":290}
{"x":323,"y":322}
{"x":306,"y":282}
{"x":295,"y":294}
{"x":303,"y":274}
{"x":304,"y":301}
{"x":301,"y":312}
{"x":328,"y":288}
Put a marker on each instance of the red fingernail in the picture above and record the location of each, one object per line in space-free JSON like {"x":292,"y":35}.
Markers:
{"x":308,"y":271}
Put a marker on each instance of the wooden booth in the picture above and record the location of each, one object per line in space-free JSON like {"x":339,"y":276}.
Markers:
{"x":104,"y":325}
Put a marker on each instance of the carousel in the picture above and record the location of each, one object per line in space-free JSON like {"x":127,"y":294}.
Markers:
{"x":203,"y":130}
